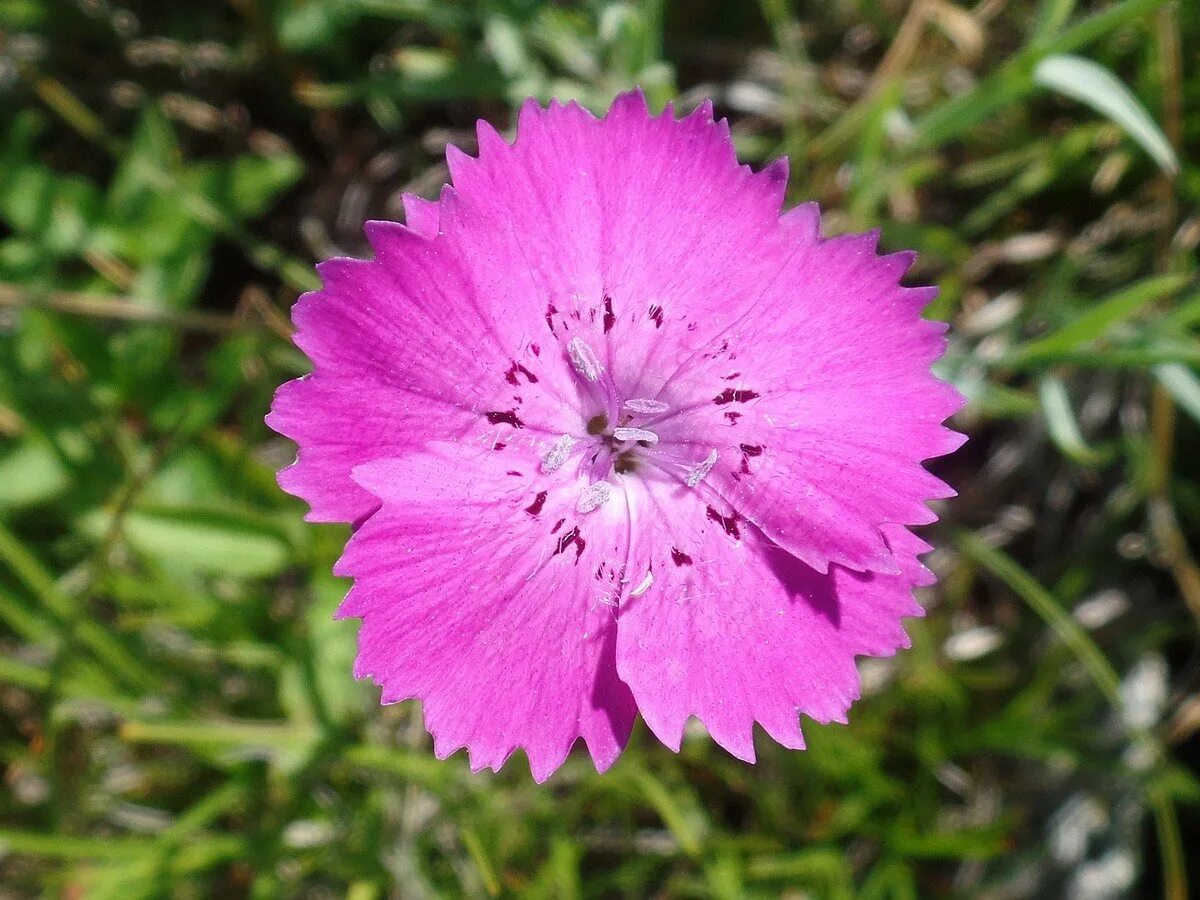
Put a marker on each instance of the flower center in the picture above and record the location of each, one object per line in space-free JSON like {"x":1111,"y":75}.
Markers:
{"x":623,"y":441}
{"x":620,"y":436}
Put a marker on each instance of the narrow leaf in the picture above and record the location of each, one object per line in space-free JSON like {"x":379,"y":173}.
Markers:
{"x":1064,"y":430}
{"x":1092,"y":84}
{"x":1182,"y":384}
{"x":1093,"y":323}
{"x":1045,"y":605}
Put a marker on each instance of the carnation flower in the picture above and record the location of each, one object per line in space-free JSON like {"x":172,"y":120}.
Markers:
{"x":617,"y":437}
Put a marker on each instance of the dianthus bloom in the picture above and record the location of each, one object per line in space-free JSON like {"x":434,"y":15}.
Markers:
{"x":618,"y":438}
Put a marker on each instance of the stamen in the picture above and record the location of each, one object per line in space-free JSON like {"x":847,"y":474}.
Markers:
{"x":697,"y":473}
{"x":593,"y":496}
{"x":557,"y":455}
{"x":644,"y":586}
{"x":635,"y":434}
{"x":645,"y":406}
{"x":583,"y":358}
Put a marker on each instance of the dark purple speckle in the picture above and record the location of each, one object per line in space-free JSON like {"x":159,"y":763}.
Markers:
{"x":517,"y":369}
{"x":729,"y":395}
{"x":679,"y":557}
{"x":729,"y":523}
{"x":535,"y":508}
{"x":571,"y":537}
{"x":508,"y":417}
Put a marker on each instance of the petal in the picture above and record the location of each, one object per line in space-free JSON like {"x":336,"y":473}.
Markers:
{"x":343,"y":421}
{"x":486,"y":596}
{"x":421,"y":215}
{"x":406,"y":350}
{"x":734,"y":630}
{"x":819,"y":399}
{"x":627,"y":209}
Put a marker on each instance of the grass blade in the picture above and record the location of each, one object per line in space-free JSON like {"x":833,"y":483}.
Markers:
{"x":1064,"y":429}
{"x":1042,"y":602}
{"x":1182,"y":384}
{"x":1095,"y":322}
{"x":1092,"y":84}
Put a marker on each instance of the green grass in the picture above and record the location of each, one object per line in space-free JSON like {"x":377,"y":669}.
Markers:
{"x":177,"y":716}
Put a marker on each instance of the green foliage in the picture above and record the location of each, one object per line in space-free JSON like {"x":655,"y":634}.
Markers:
{"x":177,"y":715}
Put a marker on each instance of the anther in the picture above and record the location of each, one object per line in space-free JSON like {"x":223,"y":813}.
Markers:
{"x":644,"y":586}
{"x":557,"y":455}
{"x":635,"y":434}
{"x":593,"y":496}
{"x":645,"y":406}
{"x":697,"y":473}
{"x":583,"y":358}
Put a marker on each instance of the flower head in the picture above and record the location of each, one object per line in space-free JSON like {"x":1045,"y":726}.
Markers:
{"x":618,"y":437}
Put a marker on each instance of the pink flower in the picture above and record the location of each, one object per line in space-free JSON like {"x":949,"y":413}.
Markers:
{"x":618,"y":437}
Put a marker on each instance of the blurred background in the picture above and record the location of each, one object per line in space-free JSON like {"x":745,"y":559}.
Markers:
{"x":177,"y":716}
